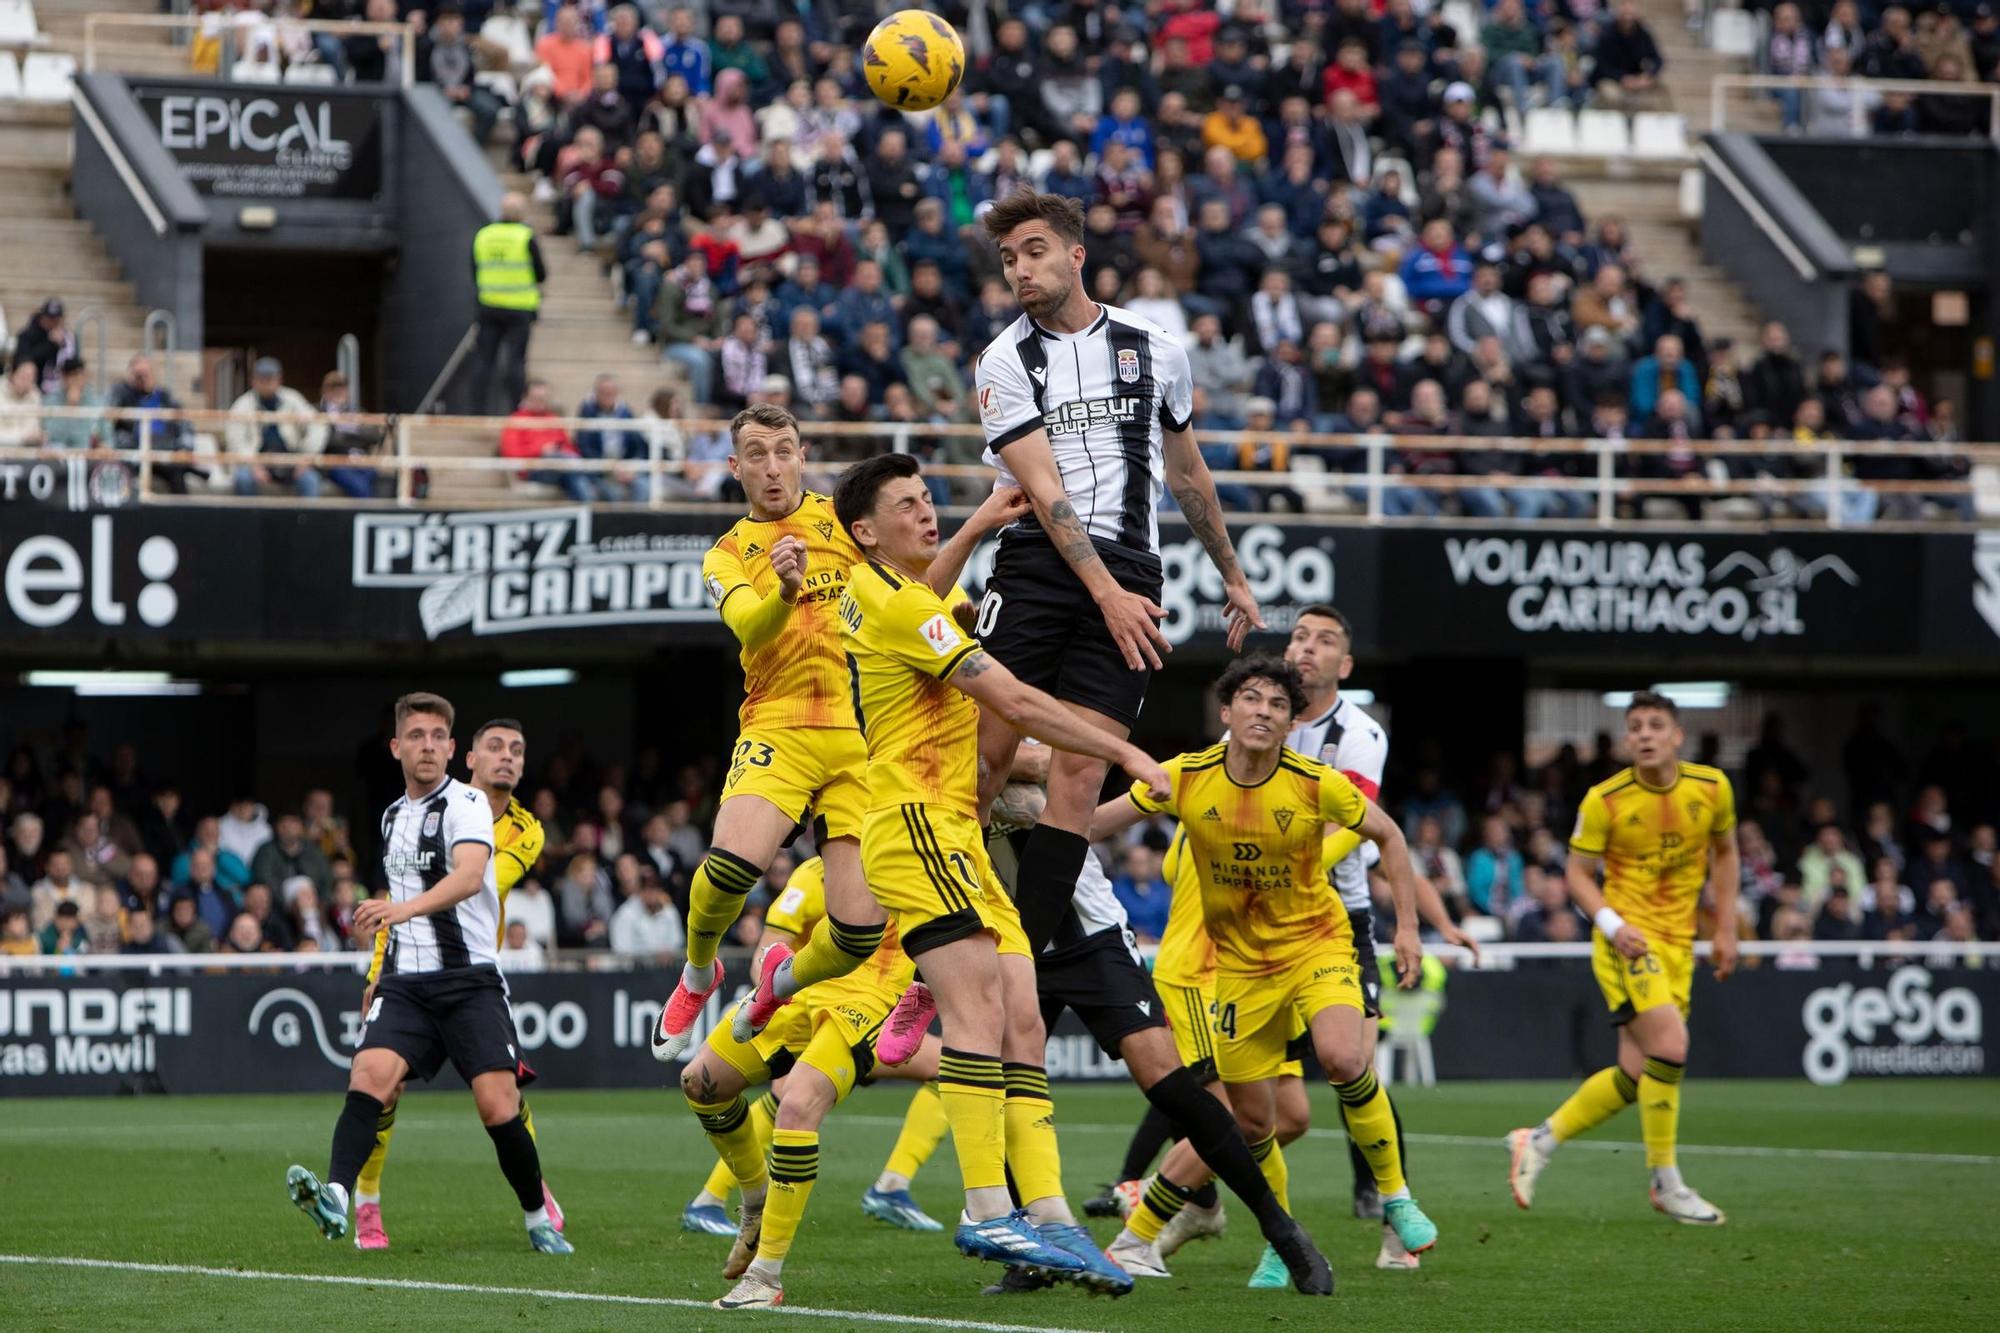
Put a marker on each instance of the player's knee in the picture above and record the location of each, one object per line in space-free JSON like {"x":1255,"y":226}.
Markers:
{"x":1257,"y":1125}
{"x":497,"y":1105}
{"x":1344,"y":1066}
{"x":1291,"y":1123}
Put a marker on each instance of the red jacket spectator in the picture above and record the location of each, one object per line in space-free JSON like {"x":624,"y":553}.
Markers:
{"x":522,"y":438}
{"x":1359,"y":80}
{"x":721,"y":253}
{"x":1196,"y":27}
{"x":605,"y":180}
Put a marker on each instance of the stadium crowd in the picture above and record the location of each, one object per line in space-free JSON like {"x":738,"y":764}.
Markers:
{"x":98,"y":857}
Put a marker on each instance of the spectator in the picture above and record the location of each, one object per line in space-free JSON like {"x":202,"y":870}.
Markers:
{"x":691,"y":318}
{"x":508,"y":272}
{"x":566,"y":53}
{"x":225,"y":864}
{"x":140,"y":891}
{"x":1219,"y":366}
{"x":932,"y":376}
{"x":932,"y":241}
{"x":139,"y":389}
{"x":375,"y":58}
{"x":348,"y":439}
{"x":1834,"y":106}
{"x":646,"y":924}
{"x":1125,"y":123}
{"x":1227,"y":127}
{"x":20,"y":401}
{"x":58,"y":885}
{"x":104,"y":924}
{"x":1789,"y":51}
{"x":1438,"y":271}
{"x":590,"y":184}
{"x":186,"y":926}
{"x":303,"y":437}
{"x":525,"y":437}
{"x":1629,"y":63}
{"x":729,"y":50}
{"x":44,"y":342}
{"x":446,"y":60}
{"x":862,"y":304}
{"x":1666,"y":370}
{"x":743,"y":364}
{"x":1482,"y":311}
{"x":583,"y":902}
{"x":893,"y":183}
{"x":64,"y":933}
{"x":1493,"y":873}
{"x":606,"y":403}
{"x":683,"y":54}
{"x":289,"y":855}
{"x":1501,"y":206}
{"x":1072,"y":98}
{"x":531,"y":907}
{"x":636,"y":55}
{"x":1891,"y":52}
{"x":16,"y":939}
{"x":808,"y":360}
{"x":246,"y":935}
{"x":1827,"y":862}
{"x":1513,"y":47}
{"x":97,"y":857}
{"x":1608,"y":304}
{"x":873,"y":360}
{"x":1144,"y":893}
{"x":74,"y":432}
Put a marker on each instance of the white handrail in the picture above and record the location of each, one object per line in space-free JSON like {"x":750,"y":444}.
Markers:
{"x":406,"y":34}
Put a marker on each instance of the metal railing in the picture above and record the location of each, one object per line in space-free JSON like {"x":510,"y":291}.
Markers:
{"x":98,"y":29}
{"x":1866,"y":95}
{"x":1354,"y":474}
{"x":1496,"y":957}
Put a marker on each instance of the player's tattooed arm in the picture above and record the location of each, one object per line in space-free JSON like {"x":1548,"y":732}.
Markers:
{"x":973,"y":668}
{"x":1067,"y":532}
{"x":1193,"y":488}
{"x":1202,"y":517}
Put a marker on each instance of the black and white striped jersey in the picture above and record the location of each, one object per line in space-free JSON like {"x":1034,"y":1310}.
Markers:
{"x":1346,"y":738}
{"x":418,"y":840}
{"x":1105,"y":397}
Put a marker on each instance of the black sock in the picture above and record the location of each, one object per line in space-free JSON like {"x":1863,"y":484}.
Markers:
{"x":1153,"y":1132}
{"x":1211,"y":1131}
{"x":1364,"y":1174}
{"x":519,"y":1161}
{"x":353,"y":1139}
{"x":1205,"y":1197}
{"x":1046,"y":881}
{"x":1402,"y":1149}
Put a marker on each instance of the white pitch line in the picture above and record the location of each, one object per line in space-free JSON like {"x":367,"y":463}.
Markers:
{"x":597,"y":1297}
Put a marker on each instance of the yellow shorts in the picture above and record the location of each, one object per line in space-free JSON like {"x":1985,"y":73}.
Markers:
{"x":1191,"y":1018}
{"x":1296,"y":1047}
{"x":927,"y":866}
{"x":1664,"y":974}
{"x":1255,"y":1017}
{"x":836,"y":1039}
{"x":819,"y":773}
{"x":771,"y":1053}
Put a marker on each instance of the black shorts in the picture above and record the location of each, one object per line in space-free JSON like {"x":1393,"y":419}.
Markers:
{"x":1363,"y":922}
{"x":431,"y":1017}
{"x":1041,"y":623}
{"x":1099,"y":980}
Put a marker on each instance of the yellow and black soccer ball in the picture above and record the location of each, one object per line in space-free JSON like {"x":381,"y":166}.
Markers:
{"x":913,"y":60}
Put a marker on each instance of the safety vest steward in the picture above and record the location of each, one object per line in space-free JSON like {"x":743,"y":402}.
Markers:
{"x":504,"y":270}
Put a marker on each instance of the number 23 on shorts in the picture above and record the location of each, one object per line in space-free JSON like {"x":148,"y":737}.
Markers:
{"x":748,"y":754}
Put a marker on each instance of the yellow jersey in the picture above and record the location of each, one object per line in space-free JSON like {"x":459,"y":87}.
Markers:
{"x":1257,"y":851}
{"x":793,"y":673}
{"x":800,"y":909}
{"x":922,"y":734}
{"x":1654,"y":842}
{"x":517,"y":845}
{"x":1186,"y":955}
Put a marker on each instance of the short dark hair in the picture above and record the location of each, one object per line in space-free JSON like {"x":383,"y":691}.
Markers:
{"x":507,"y":723}
{"x":421,"y":701}
{"x":1653,"y":699}
{"x":1063,"y":214}
{"x":1264,"y":666}
{"x":854,"y":496}
{"x":1326,"y":611}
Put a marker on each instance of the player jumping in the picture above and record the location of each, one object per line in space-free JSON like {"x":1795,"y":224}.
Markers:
{"x":1252,"y":811}
{"x":498,"y":755}
{"x":1660,"y":829}
{"x":440,"y":997}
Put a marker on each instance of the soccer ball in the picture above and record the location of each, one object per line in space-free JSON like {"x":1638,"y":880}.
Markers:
{"x":913,"y":60}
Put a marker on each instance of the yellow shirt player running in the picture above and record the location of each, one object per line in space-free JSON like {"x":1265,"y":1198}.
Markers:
{"x":777,"y":578}
{"x":1253,"y":814}
{"x":494,"y":763}
{"x":1662,"y":830}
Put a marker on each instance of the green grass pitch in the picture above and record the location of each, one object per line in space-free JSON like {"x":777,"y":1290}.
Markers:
{"x":1873,"y":1205}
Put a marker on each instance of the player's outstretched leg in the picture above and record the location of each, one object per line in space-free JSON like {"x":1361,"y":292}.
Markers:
{"x":368,"y":1231}
{"x":1659,"y":1122}
{"x":714,"y":1091}
{"x":498,"y":1097}
{"x":853,"y":930}
{"x":1600,"y":1097}
{"x":888,"y":1199}
{"x":1372,"y":1125}
{"x":708,"y":1212}
{"x":375,"y":1075}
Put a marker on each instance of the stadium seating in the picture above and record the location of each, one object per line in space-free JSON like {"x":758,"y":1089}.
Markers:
{"x":1733,"y":32}
{"x":1603,"y":133}
{"x":1659,"y":134}
{"x":1549,"y":129}
{"x":17,"y":24}
{"x":46,"y":76}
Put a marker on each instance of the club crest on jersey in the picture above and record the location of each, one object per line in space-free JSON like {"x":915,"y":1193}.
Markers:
{"x":1284,"y":818}
{"x":431,"y":824}
{"x":1128,"y":365}
{"x":825,"y":531}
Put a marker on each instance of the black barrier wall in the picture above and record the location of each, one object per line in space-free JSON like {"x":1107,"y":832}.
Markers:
{"x":572,"y":578}
{"x":207,"y":1033}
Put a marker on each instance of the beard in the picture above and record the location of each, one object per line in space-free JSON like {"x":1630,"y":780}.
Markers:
{"x":1049,"y":301}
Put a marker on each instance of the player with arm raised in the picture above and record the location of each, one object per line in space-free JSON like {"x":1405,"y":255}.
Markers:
{"x":777,"y":578}
{"x":1087,"y":407}
{"x":919,"y":683}
{"x":1252,"y":810}
{"x":440,"y":997}
{"x":499,"y":752}
{"x":1660,"y":829}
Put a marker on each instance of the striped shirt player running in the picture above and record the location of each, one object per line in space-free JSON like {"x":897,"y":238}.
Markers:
{"x":440,"y":997}
{"x":498,"y":753}
{"x":1088,"y":409}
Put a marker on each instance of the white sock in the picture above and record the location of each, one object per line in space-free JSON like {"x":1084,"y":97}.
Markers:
{"x":538,"y":1218}
{"x":1666,"y":1179}
{"x":1402,"y":1193}
{"x":1127,"y":1236}
{"x":707,"y":1200}
{"x":698,"y":979}
{"x":987,"y":1203}
{"x":339,"y":1193}
{"x":1545,"y":1138}
{"x":889,"y":1182}
{"x":769,"y":1270}
{"x":783,"y":984}
{"x":1055,"y":1208}
{"x":362,"y":1200}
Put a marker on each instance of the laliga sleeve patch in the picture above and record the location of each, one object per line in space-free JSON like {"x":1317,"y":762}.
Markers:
{"x":940,"y":635}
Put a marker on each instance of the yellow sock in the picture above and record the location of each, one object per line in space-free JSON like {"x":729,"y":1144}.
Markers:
{"x":715,"y":900}
{"x":1371,"y":1123}
{"x":528,"y":1120}
{"x":794,"y":1167}
{"x":1660,"y":1109}
{"x":924,"y":1125}
{"x":368,"y":1185}
{"x":1601,"y":1096}
{"x":1032,"y":1153}
{"x":1157,"y":1207}
{"x":1271,"y":1161}
{"x":728,"y":1127}
{"x":834,"y":950}
{"x":763,"y":1115}
{"x":973,"y":1095}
